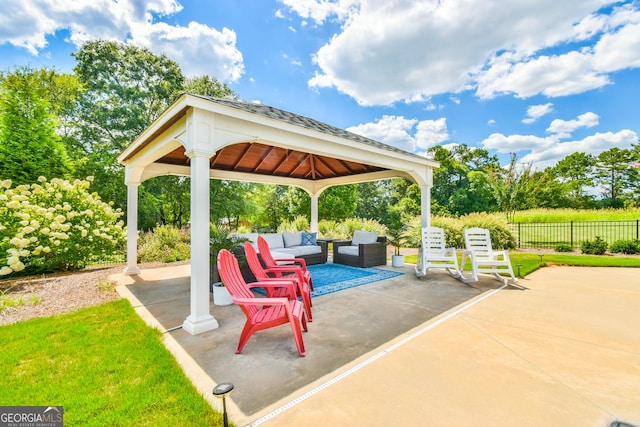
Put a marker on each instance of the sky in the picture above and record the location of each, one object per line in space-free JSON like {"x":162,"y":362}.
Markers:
{"x":539,"y":78}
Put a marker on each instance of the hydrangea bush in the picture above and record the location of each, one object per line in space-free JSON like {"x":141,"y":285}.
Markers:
{"x":55,"y":225}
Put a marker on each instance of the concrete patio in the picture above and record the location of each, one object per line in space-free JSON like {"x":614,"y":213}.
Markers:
{"x":430,"y":351}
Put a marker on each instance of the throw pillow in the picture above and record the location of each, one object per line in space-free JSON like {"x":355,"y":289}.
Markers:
{"x":309,"y":239}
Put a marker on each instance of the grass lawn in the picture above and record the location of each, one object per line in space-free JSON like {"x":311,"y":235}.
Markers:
{"x":104,"y":365}
{"x":530,"y":262}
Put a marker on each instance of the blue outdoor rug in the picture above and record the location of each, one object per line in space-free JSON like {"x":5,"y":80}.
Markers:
{"x":328,"y":278}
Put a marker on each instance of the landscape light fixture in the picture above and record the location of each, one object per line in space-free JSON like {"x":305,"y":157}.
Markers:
{"x":221,"y":391}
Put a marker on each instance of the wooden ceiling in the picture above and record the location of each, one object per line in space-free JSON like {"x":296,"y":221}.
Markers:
{"x":257,"y":158}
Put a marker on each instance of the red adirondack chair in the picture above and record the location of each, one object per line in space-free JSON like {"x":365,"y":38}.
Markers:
{"x":262,"y":274}
{"x":295,"y":265}
{"x":262,"y":313}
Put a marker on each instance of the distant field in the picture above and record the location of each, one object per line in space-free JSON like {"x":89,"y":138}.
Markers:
{"x":546,"y":228}
{"x":566,"y":215}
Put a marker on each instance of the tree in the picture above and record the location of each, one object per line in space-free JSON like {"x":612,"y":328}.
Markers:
{"x":338,"y":202}
{"x":29,"y":144}
{"x":457,"y":189}
{"x":575,"y":172}
{"x":512,"y":186}
{"x":126,"y":89}
{"x":549,"y":192}
{"x":616,"y":173}
{"x":208,"y":86}
{"x":373,"y":199}
{"x":231,"y":201}
{"x":272,"y":211}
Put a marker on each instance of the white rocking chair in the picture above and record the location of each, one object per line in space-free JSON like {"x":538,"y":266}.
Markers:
{"x":435,"y":254}
{"x":484,"y":259}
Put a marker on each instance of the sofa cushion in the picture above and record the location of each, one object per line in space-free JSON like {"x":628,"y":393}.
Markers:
{"x":298,"y":251}
{"x":360,"y":236}
{"x":349,"y":250}
{"x":309,"y":239}
{"x":274,"y":240}
{"x":281,"y":254}
{"x":292,"y":239}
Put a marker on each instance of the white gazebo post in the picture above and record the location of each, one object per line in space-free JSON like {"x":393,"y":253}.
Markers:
{"x":199,"y":150}
{"x":132,"y":226}
{"x":314,"y":212}
{"x":425,"y":199}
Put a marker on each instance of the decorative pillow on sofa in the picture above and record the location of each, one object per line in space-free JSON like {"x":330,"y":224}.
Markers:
{"x":360,"y":236}
{"x":309,"y":239}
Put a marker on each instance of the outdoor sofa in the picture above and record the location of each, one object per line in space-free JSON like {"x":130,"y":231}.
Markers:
{"x":284,"y":245}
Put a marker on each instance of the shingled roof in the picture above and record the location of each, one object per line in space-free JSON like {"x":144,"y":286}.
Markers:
{"x":302,"y":121}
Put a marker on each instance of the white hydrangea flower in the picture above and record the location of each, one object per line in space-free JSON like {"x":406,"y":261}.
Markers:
{"x":19,"y":266}
{"x":5,"y":271}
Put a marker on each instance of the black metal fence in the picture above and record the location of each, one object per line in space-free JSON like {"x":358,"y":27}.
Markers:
{"x":548,"y":235}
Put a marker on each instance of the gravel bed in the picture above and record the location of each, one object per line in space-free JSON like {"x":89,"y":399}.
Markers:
{"x":41,"y":296}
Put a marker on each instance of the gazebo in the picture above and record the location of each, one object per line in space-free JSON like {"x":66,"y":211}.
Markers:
{"x":211,"y":138}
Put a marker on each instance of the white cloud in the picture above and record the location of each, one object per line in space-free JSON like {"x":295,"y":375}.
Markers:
{"x":547,"y":151}
{"x":515,"y":143}
{"x":564,"y":128}
{"x":534,"y":112}
{"x":27,"y":23}
{"x":215,"y":50}
{"x":401,"y":51}
{"x":593,"y":144}
{"x":408,"y":134}
{"x":321,"y":10}
{"x":557,"y":75}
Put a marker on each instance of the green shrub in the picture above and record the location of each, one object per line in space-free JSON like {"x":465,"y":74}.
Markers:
{"x":453,"y":231}
{"x":55,"y":226}
{"x":328,"y":229}
{"x":165,"y":243}
{"x":344,"y":230}
{"x":299,"y":223}
{"x":563,"y":247}
{"x":501,"y":236}
{"x":628,"y":247}
{"x":594,"y":247}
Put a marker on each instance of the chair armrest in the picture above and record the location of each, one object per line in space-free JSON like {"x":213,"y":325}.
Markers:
{"x":302,"y":263}
{"x":286,"y":269}
{"x":261,"y":301}
{"x":279,"y":283}
{"x":324,"y":248}
{"x":337,"y":243}
{"x":368,"y":249}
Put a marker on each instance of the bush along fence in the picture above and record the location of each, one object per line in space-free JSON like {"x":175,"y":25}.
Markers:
{"x":573,"y":234}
